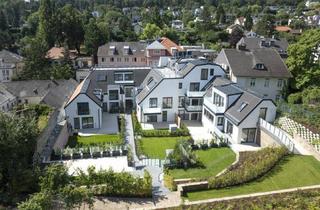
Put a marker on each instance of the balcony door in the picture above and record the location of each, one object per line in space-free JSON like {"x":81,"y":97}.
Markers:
{"x":164,"y":116}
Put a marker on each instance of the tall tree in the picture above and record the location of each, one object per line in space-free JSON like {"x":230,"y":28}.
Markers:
{"x":92,"y":38}
{"x":220,"y":15}
{"x":3,"y":21}
{"x":265,"y":25}
{"x":235,"y":36}
{"x":47,"y":22}
{"x":150,"y":31}
{"x":248,"y":22}
{"x":304,"y":60}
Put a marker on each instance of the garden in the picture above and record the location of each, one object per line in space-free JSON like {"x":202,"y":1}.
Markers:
{"x":95,"y":146}
{"x":291,"y":171}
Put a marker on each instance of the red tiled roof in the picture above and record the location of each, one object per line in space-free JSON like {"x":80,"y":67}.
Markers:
{"x":169,"y":44}
{"x":283,"y":28}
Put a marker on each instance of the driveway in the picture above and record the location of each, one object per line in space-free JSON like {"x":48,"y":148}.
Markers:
{"x":109,"y":126}
{"x":197,"y":131}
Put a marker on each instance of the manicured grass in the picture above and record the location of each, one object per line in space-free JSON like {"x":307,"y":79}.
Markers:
{"x":92,"y":140}
{"x":214,"y":160}
{"x":155,"y":147}
{"x":293,"y":171}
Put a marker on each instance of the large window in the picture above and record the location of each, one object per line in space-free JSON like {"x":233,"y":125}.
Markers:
{"x":229,"y":128}
{"x":266,"y":83}
{"x":194,"y":86}
{"x":263,"y":113}
{"x":220,"y":121}
{"x":153,"y":102}
{"x":180,"y":85}
{"x":152,"y":118}
{"x":208,"y":115}
{"x":87,"y":122}
{"x":128,"y":92}
{"x":167,"y":102}
{"x":248,"y":134}
{"x":280,"y":83}
{"x":253,"y":82}
{"x":83,"y":108}
{"x":218,"y":100}
{"x":204,"y":74}
{"x":113,"y":95}
{"x":181,"y":101}
{"x":211,"y":72}
{"x":76,"y":123}
{"x":123,"y":76}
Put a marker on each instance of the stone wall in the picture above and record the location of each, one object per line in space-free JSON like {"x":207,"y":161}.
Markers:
{"x":267,"y":140}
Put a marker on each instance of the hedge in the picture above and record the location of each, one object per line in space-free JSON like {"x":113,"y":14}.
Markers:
{"x":109,"y":183}
{"x":253,"y":166}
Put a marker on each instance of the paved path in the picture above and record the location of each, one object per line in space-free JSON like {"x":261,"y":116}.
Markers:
{"x":130,"y":136}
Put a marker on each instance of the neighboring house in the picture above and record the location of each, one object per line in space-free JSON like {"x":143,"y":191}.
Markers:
{"x":51,"y":92}
{"x":252,"y":43}
{"x":230,"y":112}
{"x":233,"y":27}
{"x":57,"y":54}
{"x":122,"y":54}
{"x":10,"y":65}
{"x":240,"y":21}
{"x":177,"y":24}
{"x":251,"y":34}
{"x":104,"y":90}
{"x":197,"y":51}
{"x":154,"y":51}
{"x":261,"y":70}
{"x":175,"y":90}
{"x":7,"y":100}
{"x":171,"y":47}
{"x":83,"y":66}
{"x":285,"y":29}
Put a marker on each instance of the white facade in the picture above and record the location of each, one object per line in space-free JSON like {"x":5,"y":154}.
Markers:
{"x":215,"y":120}
{"x":175,"y":88}
{"x":95,"y":112}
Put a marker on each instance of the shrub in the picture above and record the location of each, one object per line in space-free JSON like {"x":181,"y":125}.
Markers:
{"x":311,"y":96}
{"x":136,"y":125}
{"x":122,"y":133}
{"x":109,"y":183}
{"x":253,"y":166}
{"x":169,"y":180}
{"x":295,"y":98}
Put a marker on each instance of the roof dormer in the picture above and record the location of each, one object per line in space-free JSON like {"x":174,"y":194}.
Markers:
{"x":112,"y":50}
{"x":126,"y":50}
{"x":260,"y":66}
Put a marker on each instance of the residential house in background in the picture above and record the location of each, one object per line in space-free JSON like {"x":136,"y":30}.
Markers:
{"x":232,"y":113}
{"x":240,"y":21}
{"x":154,"y":51}
{"x":122,"y":54}
{"x":51,"y":92}
{"x":104,"y":90}
{"x":177,"y":24}
{"x":57,"y":54}
{"x":175,"y":90}
{"x":252,"y":43}
{"x":7,"y":100}
{"x":233,"y":27}
{"x":261,"y":70}
{"x":10,"y":65}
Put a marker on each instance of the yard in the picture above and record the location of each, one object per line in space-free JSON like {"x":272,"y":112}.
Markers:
{"x":155,"y":147}
{"x":214,"y":160}
{"x":293,"y":171}
{"x":94,"y":140}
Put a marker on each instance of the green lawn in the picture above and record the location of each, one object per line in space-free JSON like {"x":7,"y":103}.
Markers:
{"x":214,"y":159}
{"x":96,"y":139}
{"x":155,"y":147}
{"x":293,"y":171}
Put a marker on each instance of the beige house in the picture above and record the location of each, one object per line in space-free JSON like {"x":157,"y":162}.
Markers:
{"x":122,"y":54}
{"x":10,"y":65}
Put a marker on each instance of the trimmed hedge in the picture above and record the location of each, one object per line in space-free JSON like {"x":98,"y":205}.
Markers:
{"x":109,"y":183}
{"x":136,"y":125}
{"x":183,"y":131}
{"x":254,"y":165}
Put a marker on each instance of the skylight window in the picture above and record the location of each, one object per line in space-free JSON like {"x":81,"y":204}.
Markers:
{"x":242,"y":106}
{"x":260,"y":66}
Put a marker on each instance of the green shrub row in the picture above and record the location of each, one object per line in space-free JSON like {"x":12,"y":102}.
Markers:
{"x":183,"y":131}
{"x":253,"y":166}
{"x":122,"y":133}
{"x":307,"y":96}
{"x":136,"y":125}
{"x":109,"y":183}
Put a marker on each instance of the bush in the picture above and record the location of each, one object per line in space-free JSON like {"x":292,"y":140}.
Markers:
{"x":136,"y":125}
{"x":295,"y":98}
{"x":253,"y":166}
{"x":311,"y":96}
{"x":109,"y":183}
{"x":183,"y":131}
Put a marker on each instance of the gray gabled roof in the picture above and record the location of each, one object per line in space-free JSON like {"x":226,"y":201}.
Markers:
{"x":9,"y":57}
{"x":255,"y":43}
{"x":190,"y":65}
{"x":136,"y":48}
{"x":242,"y":63}
{"x":235,"y":115}
{"x":157,"y":78}
{"x":156,"y":45}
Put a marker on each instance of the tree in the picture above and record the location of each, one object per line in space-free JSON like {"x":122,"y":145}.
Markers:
{"x":235,"y":36}
{"x":37,"y":65}
{"x":249,"y":22}
{"x":265,"y":25}
{"x":92,"y":38}
{"x":17,"y":146}
{"x":47,"y":22}
{"x":3,"y":21}
{"x":304,"y":60}
{"x":150,"y":31}
{"x":71,"y":27}
{"x":220,"y":15}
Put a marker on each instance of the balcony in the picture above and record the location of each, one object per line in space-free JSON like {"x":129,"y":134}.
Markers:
{"x":195,"y":94}
{"x":155,"y":110}
{"x":192,"y":107}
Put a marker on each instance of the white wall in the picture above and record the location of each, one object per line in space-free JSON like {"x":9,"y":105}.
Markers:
{"x":267,"y":92}
{"x":95,"y":111}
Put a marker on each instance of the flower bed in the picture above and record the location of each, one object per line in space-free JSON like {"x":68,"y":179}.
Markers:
{"x":251,"y":166}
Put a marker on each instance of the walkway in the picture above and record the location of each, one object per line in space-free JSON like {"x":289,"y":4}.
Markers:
{"x":197,"y":131}
{"x":130,"y":136}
